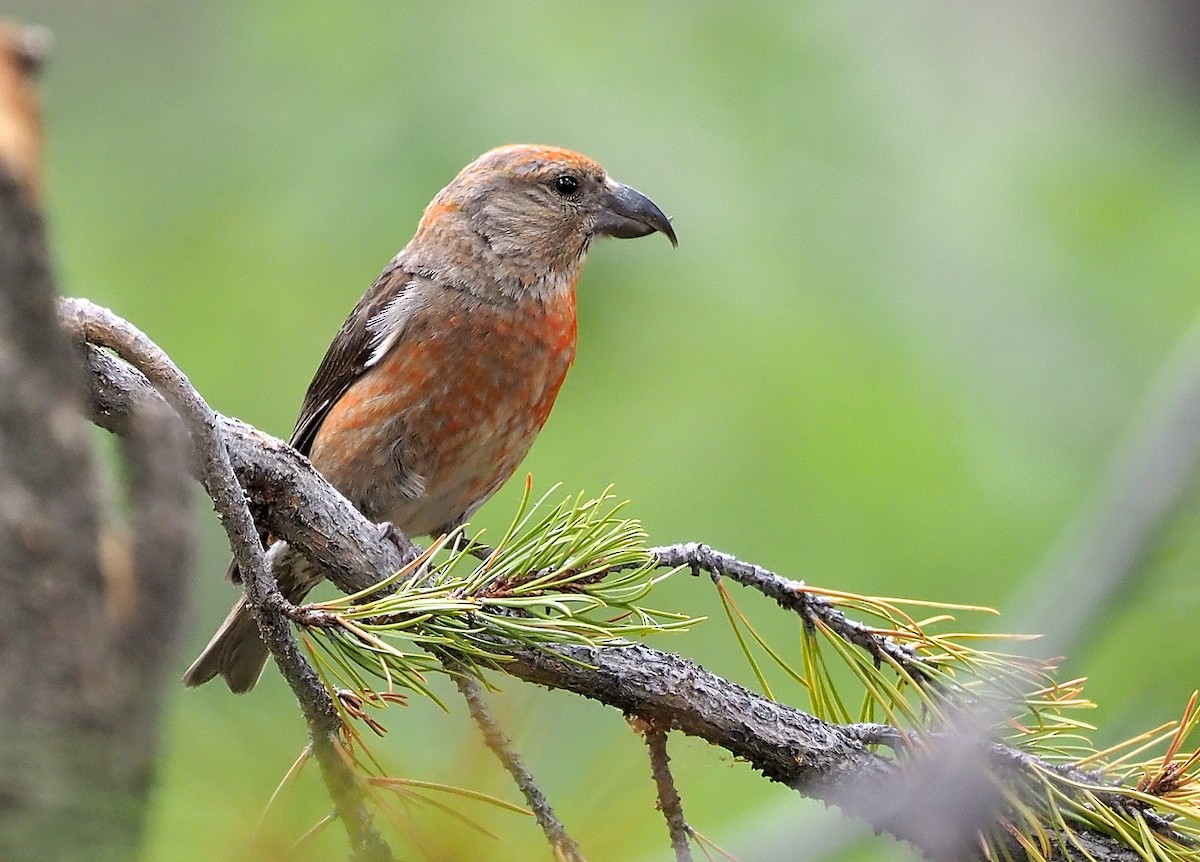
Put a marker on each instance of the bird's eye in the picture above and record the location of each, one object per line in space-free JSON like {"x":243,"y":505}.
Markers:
{"x":566,"y":185}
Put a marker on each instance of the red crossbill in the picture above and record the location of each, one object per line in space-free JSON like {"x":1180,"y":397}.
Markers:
{"x":435,"y":386}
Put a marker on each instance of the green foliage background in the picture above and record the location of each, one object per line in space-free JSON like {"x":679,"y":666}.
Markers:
{"x":930,"y":257}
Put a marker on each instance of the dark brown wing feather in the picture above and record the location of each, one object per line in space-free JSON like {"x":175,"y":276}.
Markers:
{"x":344,"y":363}
{"x":346,"y":359}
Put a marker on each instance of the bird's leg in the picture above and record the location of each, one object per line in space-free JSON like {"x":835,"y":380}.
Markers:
{"x":408,"y":549}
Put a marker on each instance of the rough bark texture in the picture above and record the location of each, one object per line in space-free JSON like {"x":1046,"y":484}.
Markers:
{"x":924,"y":802}
{"x":90,"y":608}
{"x":89,"y":324}
{"x":52,"y":708}
{"x":288,"y":497}
{"x":669,"y":802}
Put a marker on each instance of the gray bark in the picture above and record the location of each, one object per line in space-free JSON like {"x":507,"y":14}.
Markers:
{"x":89,"y":614}
{"x":921,"y":802}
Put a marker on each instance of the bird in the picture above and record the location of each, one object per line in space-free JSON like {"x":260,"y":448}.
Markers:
{"x":434,"y":388}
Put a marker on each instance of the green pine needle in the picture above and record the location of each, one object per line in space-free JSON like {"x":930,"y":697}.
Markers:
{"x":577,"y":573}
{"x":571,"y":573}
{"x":1152,"y":807}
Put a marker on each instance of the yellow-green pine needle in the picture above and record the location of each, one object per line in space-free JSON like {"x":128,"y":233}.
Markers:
{"x":464,"y":792}
{"x":726,"y":601}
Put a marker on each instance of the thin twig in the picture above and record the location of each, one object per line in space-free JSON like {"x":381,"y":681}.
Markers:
{"x":564,"y":846}
{"x":669,"y":802}
{"x":791,"y":595}
{"x":89,"y":323}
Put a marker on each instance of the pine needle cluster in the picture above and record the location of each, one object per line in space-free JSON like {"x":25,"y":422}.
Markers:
{"x":575,"y":572}
{"x":1054,"y":780}
{"x":578,"y":573}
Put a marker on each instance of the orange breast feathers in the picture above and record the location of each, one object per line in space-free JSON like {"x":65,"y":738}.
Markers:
{"x":453,"y":406}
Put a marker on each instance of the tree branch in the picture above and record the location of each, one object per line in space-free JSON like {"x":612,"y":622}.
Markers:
{"x":669,"y":802}
{"x":288,"y":497}
{"x":564,"y":845}
{"x":829,"y":762}
{"x":791,"y":595}
{"x":90,"y":324}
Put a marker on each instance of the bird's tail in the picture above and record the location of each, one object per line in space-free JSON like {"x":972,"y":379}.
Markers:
{"x":235,"y":652}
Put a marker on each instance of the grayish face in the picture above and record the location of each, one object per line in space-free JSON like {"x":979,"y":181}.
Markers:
{"x":533,"y":212}
{"x":559,"y":200}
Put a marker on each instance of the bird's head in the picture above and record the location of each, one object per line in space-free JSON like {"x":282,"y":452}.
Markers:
{"x":530,"y":213}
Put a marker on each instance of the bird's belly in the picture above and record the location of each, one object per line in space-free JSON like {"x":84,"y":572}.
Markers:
{"x":445,"y":418}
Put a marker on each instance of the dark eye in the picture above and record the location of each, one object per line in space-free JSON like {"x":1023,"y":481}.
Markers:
{"x":566,"y":185}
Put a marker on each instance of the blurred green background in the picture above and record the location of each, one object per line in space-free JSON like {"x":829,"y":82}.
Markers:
{"x":931,"y":257}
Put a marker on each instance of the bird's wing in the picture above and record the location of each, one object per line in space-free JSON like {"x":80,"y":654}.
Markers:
{"x":353,"y":350}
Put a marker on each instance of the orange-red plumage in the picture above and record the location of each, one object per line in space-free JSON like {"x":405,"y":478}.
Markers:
{"x":437,"y":384}
{"x":467,"y":394}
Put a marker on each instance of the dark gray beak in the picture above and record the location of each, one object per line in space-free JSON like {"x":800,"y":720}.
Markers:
{"x":627,"y":213}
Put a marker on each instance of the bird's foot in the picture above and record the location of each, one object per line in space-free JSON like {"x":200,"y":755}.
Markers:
{"x":408,"y":549}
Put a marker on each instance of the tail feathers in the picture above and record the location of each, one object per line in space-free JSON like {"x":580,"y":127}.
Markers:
{"x":235,"y":652}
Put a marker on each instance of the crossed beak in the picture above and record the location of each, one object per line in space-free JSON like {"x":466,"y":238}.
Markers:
{"x":627,"y":213}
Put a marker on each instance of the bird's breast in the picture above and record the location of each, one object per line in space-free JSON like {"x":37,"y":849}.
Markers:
{"x":446,"y":416}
